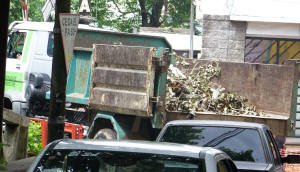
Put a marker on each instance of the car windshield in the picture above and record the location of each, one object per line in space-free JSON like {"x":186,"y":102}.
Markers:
{"x":97,"y":161}
{"x":240,"y":144}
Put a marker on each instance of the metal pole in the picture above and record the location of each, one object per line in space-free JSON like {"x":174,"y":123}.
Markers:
{"x":192,"y":31}
{"x":277,"y":51}
{"x":4,"y":14}
{"x":59,"y":79}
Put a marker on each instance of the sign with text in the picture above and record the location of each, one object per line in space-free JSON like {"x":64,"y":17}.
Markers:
{"x":69,"y":27}
{"x":85,"y":7}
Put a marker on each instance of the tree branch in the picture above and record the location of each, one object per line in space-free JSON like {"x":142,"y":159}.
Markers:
{"x":165,"y":16}
{"x":120,"y":11}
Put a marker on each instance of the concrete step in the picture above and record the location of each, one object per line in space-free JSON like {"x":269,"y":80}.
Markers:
{"x":298,"y":98}
{"x":298,"y":124}
{"x":19,"y":165}
{"x":298,"y":107}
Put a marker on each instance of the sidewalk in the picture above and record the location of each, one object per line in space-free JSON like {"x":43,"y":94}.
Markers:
{"x":19,"y":165}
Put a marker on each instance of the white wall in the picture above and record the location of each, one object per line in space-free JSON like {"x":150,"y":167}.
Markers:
{"x":265,"y":18}
{"x":179,"y":41}
{"x":215,"y":7}
{"x":284,"y":11}
{"x":273,"y":30}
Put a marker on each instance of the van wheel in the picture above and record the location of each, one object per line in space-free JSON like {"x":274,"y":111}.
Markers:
{"x":106,"y":134}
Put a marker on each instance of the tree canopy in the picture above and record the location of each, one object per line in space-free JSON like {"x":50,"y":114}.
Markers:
{"x":126,"y":15}
{"x":121,"y":15}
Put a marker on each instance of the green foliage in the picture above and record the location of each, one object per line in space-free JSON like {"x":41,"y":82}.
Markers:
{"x":34,"y":10}
{"x":15,"y":11}
{"x":74,"y":6}
{"x":125,"y":15}
{"x":108,"y":16}
{"x":34,"y":137}
{"x":178,"y":14}
{"x":120,"y":15}
{"x":3,"y":162}
{"x":239,"y":156}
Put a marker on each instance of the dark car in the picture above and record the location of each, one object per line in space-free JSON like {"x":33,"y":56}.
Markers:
{"x":250,"y":145}
{"x":129,"y":156}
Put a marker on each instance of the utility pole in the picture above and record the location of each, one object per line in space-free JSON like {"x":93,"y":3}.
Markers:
{"x":191,"y":54}
{"x":4,"y":14}
{"x":59,"y":78}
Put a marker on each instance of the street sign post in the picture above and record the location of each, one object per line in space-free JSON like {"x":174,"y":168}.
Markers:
{"x":69,"y":26}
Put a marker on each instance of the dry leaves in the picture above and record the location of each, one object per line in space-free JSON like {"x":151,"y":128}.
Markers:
{"x":196,"y":92}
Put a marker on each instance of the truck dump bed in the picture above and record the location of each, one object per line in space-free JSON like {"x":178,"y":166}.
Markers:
{"x":79,"y":77}
{"x":271,"y":88}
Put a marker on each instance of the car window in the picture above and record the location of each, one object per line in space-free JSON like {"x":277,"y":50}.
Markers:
{"x":273,"y":146}
{"x":232,"y":165}
{"x":241,"y":144}
{"x":16,"y":45}
{"x":222,"y":166}
{"x":94,"y":161}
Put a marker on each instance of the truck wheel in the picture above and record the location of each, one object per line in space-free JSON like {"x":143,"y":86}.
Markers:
{"x":106,"y":134}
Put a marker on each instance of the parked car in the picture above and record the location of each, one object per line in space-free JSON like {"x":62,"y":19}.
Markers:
{"x":129,"y":156}
{"x":250,"y":145}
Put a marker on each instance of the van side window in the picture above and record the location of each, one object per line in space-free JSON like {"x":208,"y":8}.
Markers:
{"x":50,"y":45}
{"x":16,"y":45}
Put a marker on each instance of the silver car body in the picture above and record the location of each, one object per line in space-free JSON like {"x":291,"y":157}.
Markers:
{"x":211,"y":156}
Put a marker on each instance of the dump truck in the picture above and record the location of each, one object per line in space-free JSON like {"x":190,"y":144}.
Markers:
{"x":109,"y":94}
{"x":117,"y":83}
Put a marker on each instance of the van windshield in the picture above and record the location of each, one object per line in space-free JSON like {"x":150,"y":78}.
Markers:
{"x":241,"y":144}
{"x":107,"y":161}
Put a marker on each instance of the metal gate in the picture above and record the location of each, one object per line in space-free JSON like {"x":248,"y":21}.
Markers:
{"x":270,"y":50}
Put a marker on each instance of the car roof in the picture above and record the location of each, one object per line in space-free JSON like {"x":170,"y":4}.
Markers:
{"x":218,"y":123}
{"x":172,"y":149}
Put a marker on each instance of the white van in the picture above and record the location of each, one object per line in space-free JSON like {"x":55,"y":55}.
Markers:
{"x":28,"y":66}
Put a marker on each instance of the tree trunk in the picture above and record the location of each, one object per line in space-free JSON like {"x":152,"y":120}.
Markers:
{"x":143,"y":13}
{"x":156,"y":13}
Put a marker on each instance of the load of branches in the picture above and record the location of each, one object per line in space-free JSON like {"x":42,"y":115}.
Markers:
{"x":196,"y":92}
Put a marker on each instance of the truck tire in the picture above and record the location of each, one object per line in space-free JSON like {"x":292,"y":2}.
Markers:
{"x":106,"y":134}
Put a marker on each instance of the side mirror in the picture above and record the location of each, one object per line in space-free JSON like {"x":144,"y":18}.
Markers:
{"x":36,"y":79}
